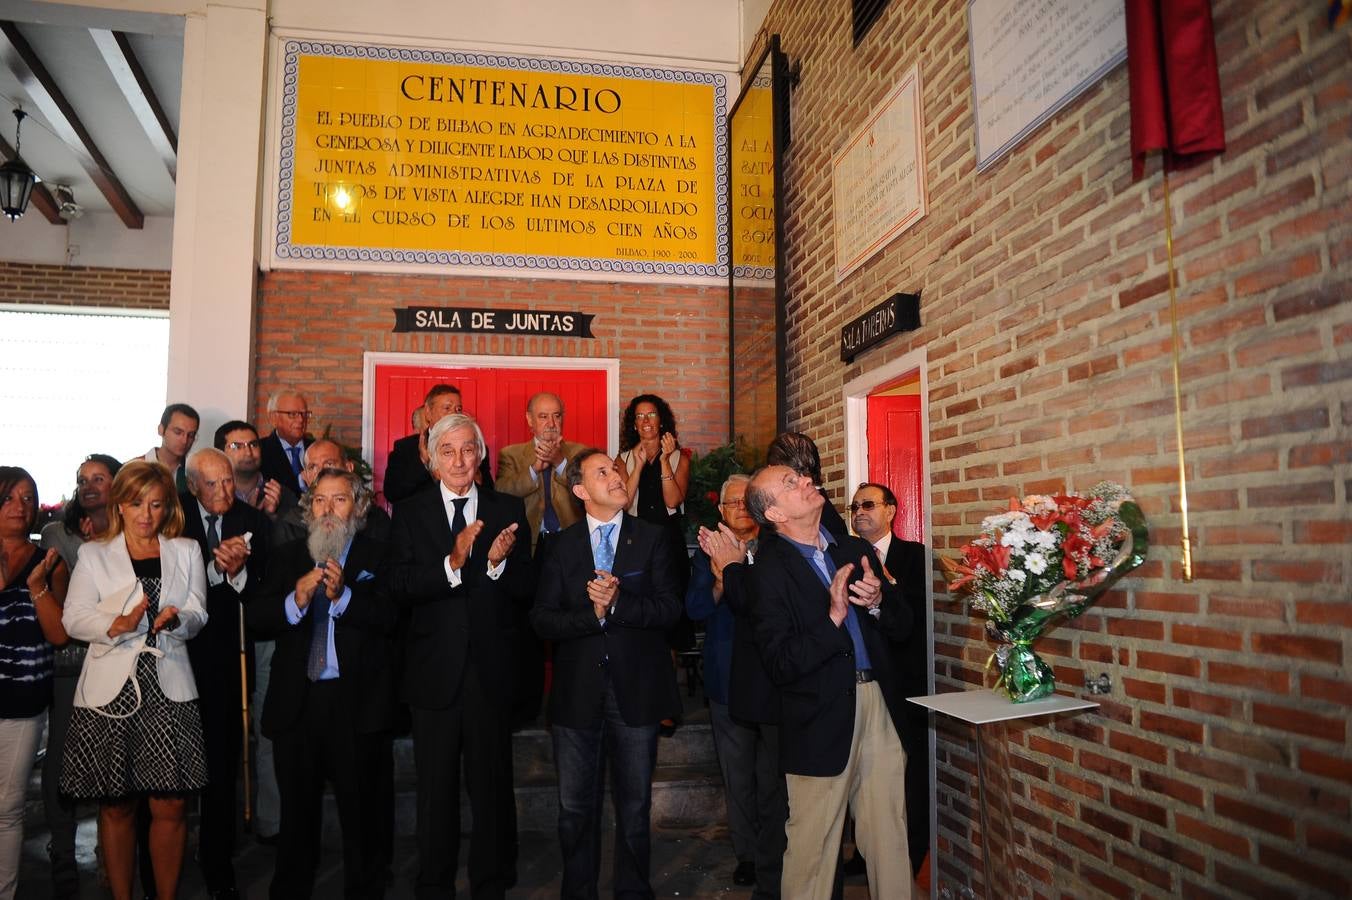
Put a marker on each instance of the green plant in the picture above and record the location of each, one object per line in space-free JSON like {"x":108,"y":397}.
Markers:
{"x":708,"y":471}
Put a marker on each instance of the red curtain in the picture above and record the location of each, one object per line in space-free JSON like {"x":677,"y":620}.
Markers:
{"x":1175,"y":89}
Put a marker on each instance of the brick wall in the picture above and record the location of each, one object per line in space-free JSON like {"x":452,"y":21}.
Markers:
{"x":1221,"y":762}
{"x":312,"y":329}
{"x":83,"y":286}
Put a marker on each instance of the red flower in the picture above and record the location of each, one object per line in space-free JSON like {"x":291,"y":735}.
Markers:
{"x":712,"y":497}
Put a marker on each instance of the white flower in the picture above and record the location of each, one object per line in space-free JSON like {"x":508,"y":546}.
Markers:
{"x":1013,"y":538}
{"x":1044,"y":540}
{"x":1036,"y":563}
{"x":1018,"y":575}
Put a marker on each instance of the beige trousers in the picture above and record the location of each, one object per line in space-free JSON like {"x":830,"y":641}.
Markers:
{"x":873,"y":785}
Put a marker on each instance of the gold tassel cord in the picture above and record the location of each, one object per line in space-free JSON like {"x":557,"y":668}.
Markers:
{"x":1178,"y":393}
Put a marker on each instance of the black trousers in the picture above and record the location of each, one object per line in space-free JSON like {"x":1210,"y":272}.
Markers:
{"x":324,"y":747}
{"x":222,"y":736}
{"x":476,"y":725}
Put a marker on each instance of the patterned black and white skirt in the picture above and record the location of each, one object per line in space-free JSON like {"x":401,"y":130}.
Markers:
{"x":122,"y":749}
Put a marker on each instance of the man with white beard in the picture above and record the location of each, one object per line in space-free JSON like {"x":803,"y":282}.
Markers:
{"x":330,"y":700}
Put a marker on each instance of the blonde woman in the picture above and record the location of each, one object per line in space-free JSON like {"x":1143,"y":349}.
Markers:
{"x":136,"y":597}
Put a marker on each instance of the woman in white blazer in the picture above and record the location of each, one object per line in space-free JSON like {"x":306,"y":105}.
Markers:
{"x":136,"y":596}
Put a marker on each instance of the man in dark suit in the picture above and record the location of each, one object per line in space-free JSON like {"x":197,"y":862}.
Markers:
{"x":406,"y":467}
{"x":283,"y":450}
{"x":329,"y":708}
{"x":461,"y":561}
{"x":234,"y":538}
{"x":608,"y":593}
{"x":906,"y":563}
{"x":746,"y":731}
{"x":823,"y":618}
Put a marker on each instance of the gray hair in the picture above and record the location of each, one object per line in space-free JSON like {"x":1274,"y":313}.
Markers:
{"x":737,"y":478}
{"x":193,"y":464}
{"x":530,"y":404}
{"x":758,"y":500}
{"x":361,"y":496}
{"x":450,"y":423}
{"x":277,"y":396}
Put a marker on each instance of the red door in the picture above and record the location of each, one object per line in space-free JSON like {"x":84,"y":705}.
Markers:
{"x":895,"y":456}
{"x":496,"y":397}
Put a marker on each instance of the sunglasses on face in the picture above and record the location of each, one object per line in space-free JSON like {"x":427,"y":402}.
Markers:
{"x":865,"y":505}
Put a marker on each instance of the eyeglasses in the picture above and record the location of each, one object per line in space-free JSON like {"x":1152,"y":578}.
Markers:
{"x":734,"y":504}
{"x":646,"y":415}
{"x":294,"y":413}
{"x":865,"y":505}
{"x":241,"y":445}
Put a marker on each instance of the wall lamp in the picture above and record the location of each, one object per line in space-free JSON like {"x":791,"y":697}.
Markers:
{"x":16,"y":179}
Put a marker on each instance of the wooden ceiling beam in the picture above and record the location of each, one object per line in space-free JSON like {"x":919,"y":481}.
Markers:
{"x":42,"y":89}
{"x":41,"y":197}
{"x":145,"y":105}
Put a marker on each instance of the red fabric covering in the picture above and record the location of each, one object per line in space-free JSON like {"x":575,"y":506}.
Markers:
{"x":1175,"y":89}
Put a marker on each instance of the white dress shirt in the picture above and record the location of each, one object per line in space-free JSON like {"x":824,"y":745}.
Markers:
{"x":453,"y":576}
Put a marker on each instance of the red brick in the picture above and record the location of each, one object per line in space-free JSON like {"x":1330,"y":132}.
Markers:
{"x":1323,"y":532}
{"x":1300,"y":494}
{"x":1168,"y":662}
{"x":1273,"y":821}
{"x":1298,"y":647}
{"x":1299,"y":867}
{"x":1234,"y":844}
{"x":1139,"y":746}
{"x":1268,"y":349}
{"x":1284,"y":718}
{"x":1273,"y":682}
{"x":1167,"y":849}
{"x":1330,"y":766}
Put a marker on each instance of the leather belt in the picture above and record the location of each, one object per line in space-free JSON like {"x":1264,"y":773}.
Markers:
{"x":863,"y":676}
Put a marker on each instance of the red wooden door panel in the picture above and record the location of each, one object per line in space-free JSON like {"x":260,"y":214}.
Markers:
{"x":895,"y":458}
{"x":495,"y":396}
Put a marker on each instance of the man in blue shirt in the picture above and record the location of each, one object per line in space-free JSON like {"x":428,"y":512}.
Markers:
{"x":823,"y":617}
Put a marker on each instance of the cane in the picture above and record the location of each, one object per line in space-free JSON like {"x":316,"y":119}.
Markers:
{"x":244,"y":712}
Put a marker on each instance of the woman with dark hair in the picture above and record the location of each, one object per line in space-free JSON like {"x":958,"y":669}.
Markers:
{"x":84,"y":518}
{"x":137,"y":597}
{"x":659,"y":473}
{"x":32,"y":586}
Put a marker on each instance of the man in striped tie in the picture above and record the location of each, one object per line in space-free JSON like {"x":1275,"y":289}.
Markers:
{"x":607,"y":593}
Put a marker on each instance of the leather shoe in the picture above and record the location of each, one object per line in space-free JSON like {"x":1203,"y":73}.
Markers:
{"x":745,"y":873}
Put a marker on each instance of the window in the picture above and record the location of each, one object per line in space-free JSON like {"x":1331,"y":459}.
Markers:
{"x":865,"y":13}
{"x":76,"y":382}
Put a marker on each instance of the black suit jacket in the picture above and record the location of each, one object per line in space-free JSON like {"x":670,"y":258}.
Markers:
{"x":752,"y":696}
{"x":633,"y":638}
{"x":276,"y":464}
{"x":811,"y":660}
{"x":908,"y":564}
{"x":363,"y":638}
{"x":405,"y":474}
{"x":218,"y":641}
{"x":449,"y":628}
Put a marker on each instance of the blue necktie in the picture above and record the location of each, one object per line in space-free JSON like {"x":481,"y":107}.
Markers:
{"x":319,"y":637}
{"x":604,"y":554}
{"x":549,"y":522}
{"x":295,"y":465}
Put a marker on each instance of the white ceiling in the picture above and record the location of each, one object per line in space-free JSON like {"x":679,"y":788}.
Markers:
{"x":60,"y":36}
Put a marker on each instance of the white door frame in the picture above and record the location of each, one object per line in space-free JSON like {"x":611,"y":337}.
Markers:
{"x":855,"y":395}
{"x":371,"y":359}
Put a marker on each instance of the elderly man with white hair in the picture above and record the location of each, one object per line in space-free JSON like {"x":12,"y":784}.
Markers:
{"x":234,"y":538}
{"x":461,"y":561}
{"x":283,"y":450}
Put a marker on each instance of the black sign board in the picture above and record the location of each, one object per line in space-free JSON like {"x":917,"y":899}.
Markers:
{"x":898,"y":313}
{"x":468,"y":320}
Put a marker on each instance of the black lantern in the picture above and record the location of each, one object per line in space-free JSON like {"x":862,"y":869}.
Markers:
{"x":16,"y":179}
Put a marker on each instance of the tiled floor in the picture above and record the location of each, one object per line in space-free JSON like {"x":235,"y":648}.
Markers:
{"x":686,"y":863}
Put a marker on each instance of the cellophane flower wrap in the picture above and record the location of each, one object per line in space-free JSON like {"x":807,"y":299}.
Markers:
{"x":1046,"y":557}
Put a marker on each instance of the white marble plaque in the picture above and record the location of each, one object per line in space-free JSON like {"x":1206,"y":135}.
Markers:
{"x":878,"y":177}
{"x":1032,"y":57}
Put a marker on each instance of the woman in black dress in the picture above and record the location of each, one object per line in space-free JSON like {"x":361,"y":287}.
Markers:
{"x":136,"y":597}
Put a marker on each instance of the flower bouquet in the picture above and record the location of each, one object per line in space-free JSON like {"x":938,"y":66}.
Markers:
{"x":1046,"y":557}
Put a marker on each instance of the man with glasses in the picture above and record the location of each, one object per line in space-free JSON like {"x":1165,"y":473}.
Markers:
{"x":872,"y":512}
{"x":743,"y":705}
{"x":239,"y":441}
{"x":283,"y":451}
{"x":823,"y":619}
